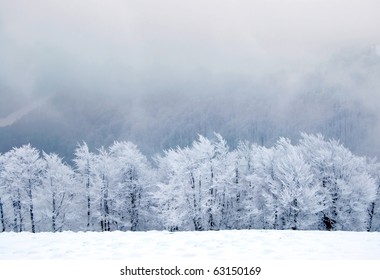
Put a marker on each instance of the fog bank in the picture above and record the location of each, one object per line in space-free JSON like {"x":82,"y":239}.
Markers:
{"x":159,"y":72}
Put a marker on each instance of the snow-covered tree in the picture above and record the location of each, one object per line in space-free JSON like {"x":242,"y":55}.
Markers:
{"x":84,"y":167}
{"x":131,"y":174}
{"x":227,"y":191}
{"x":299,"y":194}
{"x":244,"y":200}
{"x":103,"y":168}
{"x":183,"y":181}
{"x":203,"y":174}
{"x":348,"y":187}
{"x":281,"y":191}
{"x":22,"y":169}
{"x":316,"y":184}
{"x":173,"y":202}
{"x":58,"y":182}
{"x":374,"y":208}
{"x":261,"y":202}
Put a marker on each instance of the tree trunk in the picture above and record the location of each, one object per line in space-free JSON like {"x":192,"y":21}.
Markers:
{"x":211,"y":223}
{"x":18,"y":204}
{"x":196,"y":218}
{"x":134,"y":214}
{"x":53,"y":214}
{"x":2,"y":217}
{"x":329,"y":219}
{"x":88,"y":203}
{"x":134,"y":200}
{"x":329,"y":223}
{"x":371,"y":211}
{"x":199,"y":212}
{"x":334,"y":211}
{"x":15,"y":213}
{"x":31,"y":210}
{"x":275,"y":218}
{"x":101,"y":214}
{"x":103,"y":205}
{"x":295,"y":214}
{"x":106,"y":209}
{"x":224,"y":208}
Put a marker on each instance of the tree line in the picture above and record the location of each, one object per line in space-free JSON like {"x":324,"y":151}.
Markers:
{"x":316,"y":184}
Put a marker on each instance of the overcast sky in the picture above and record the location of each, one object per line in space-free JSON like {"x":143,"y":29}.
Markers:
{"x":130,"y":42}
{"x":147,"y":49}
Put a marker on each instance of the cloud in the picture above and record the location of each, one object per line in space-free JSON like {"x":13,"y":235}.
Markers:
{"x":135,"y":42}
{"x":18,"y":114}
{"x":158,"y":60}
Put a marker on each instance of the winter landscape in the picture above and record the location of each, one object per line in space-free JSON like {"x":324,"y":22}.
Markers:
{"x":200,"y":131}
{"x":314,"y":185}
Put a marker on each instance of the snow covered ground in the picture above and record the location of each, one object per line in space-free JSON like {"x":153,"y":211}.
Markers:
{"x":223,"y":245}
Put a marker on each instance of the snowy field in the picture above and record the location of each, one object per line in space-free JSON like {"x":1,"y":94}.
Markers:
{"x":223,"y":245}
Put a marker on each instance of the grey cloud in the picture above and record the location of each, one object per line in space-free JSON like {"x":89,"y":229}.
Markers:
{"x":214,"y":64}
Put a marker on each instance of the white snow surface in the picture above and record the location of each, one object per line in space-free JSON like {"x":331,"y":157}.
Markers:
{"x":233,"y":244}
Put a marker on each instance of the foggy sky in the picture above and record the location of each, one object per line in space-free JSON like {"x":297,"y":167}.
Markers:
{"x":156,"y":54}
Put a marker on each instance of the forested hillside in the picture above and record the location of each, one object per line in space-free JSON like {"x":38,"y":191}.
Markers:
{"x":157,"y":74}
{"x":338,"y":98}
{"x":315,"y":184}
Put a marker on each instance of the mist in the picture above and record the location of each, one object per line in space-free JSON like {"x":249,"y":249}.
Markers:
{"x":159,"y":72}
